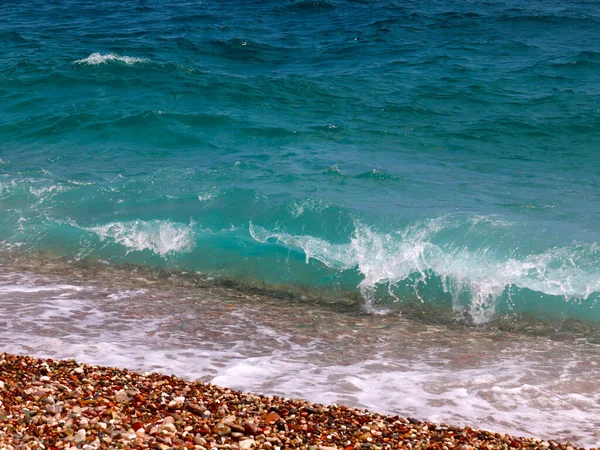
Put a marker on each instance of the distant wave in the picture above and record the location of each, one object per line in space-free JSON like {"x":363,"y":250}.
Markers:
{"x":310,"y":6}
{"x":98,"y":58}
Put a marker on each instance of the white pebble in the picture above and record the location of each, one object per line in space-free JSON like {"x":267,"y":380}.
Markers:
{"x":121,"y":396}
{"x":246,"y":444}
{"x":79,"y":436}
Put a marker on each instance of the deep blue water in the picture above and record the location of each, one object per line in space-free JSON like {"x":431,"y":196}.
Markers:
{"x":432,"y":152}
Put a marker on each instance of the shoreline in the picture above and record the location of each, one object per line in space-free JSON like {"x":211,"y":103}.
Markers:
{"x":65,"y":404}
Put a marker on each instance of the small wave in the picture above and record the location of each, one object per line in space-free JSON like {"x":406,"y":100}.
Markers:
{"x":310,"y":6}
{"x":376,"y":174}
{"x":308,"y":204}
{"x":208,"y":194}
{"x":98,"y":58}
{"x":333,"y":171}
{"x":47,"y":190}
{"x":159,"y":236}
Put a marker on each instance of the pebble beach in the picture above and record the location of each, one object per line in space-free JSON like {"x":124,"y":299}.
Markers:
{"x":48,"y":404}
{"x":387,"y":205}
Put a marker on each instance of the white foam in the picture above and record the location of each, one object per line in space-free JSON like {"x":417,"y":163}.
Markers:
{"x":159,"y":236}
{"x":8,"y":246}
{"x":208,"y":194}
{"x":97,"y":58}
{"x":522,"y":385}
{"x":308,"y":204}
{"x":127,"y":294}
{"x":46,"y":191}
{"x":12,"y":288}
{"x":481,"y":276}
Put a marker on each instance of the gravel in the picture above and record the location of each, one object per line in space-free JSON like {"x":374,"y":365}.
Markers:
{"x":46,"y":404}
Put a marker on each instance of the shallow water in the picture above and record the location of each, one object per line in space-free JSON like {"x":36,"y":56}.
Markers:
{"x":545,"y":385}
{"x":386,"y":204}
{"x":442,"y":152}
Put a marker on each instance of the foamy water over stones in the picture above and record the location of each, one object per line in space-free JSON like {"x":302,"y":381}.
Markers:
{"x":388,"y":204}
{"x":440,"y":153}
{"x":546,"y":386}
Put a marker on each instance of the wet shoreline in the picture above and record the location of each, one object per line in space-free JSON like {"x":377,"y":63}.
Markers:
{"x":535,"y":384}
{"x":64,"y":404}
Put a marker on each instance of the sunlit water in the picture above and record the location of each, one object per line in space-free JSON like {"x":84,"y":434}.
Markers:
{"x":402,"y":195}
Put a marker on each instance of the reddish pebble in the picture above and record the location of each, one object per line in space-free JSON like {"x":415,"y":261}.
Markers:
{"x":272,"y":418}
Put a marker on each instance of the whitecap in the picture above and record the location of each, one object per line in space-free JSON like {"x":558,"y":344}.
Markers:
{"x":208,"y":194}
{"x":98,"y":58}
{"x":47,"y":190}
{"x":480,"y":276}
{"x":159,"y":236}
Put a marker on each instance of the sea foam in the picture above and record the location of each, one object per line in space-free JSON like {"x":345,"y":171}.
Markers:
{"x":98,"y":58}
{"x":159,"y":236}
{"x":475,"y":279}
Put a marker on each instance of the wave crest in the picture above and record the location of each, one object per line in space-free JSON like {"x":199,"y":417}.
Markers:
{"x":476,"y":280}
{"x":159,"y":236}
{"x":98,"y":58}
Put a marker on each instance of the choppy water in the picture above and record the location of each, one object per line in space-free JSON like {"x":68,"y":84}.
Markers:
{"x":433,"y":159}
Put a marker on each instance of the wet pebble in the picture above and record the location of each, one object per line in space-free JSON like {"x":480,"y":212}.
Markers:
{"x":51,"y":406}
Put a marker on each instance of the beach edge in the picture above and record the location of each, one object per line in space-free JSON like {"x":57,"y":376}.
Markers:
{"x":60,"y":404}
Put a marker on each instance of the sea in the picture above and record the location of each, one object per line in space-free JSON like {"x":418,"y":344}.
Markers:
{"x":391,"y":205}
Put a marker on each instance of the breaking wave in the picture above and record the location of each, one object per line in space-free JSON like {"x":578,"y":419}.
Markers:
{"x":480,"y":282}
{"x":159,"y":236}
{"x":98,"y":58}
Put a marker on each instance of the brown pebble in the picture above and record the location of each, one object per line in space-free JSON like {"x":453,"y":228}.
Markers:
{"x":272,"y":418}
{"x":251,"y":428}
{"x":108,"y":409}
{"x":221,"y":429}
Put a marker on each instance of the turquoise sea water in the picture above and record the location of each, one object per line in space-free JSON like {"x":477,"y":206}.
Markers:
{"x":442,"y":155}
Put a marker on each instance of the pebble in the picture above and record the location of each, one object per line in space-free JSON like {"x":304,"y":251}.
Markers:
{"x":128,"y":410}
{"x":168,"y":420}
{"x":54,"y":409}
{"x":79,"y":436}
{"x":246,"y":444}
{"x":221,"y":429}
{"x":121,"y":397}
